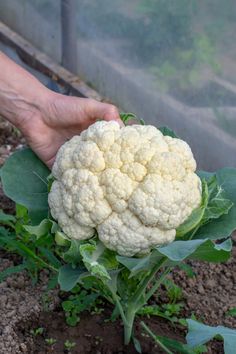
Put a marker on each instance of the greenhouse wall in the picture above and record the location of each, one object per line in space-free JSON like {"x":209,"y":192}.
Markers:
{"x":38,"y":21}
{"x":170,"y":62}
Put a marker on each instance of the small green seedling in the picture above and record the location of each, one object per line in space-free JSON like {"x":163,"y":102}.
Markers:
{"x":80,"y":301}
{"x":174,"y":292}
{"x":50,"y":341}
{"x":231,"y":312}
{"x":69,"y":345}
{"x":37,"y":331}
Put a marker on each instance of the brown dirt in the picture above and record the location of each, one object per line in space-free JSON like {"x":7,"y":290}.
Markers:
{"x":5,"y":203}
{"x":24,"y":307}
{"x":211,"y":293}
{"x":10,"y":140}
{"x":95,"y":335}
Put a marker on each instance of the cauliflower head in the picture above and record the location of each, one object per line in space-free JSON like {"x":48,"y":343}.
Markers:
{"x":132,"y":184}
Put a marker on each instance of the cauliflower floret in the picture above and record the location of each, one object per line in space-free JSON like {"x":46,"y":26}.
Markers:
{"x":126,"y":234}
{"x":132,"y":184}
{"x":66,"y":222}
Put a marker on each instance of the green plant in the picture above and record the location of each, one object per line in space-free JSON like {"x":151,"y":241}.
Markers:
{"x":167,"y":344}
{"x":231,"y":312}
{"x":37,"y":252}
{"x":126,"y":282}
{"x":37,"y":331}
{"x":199,"y":333}
{"x":69,"y":345}
{"x":174,"y":292}
{"x":50,"y":341}
{"x":78,"y":302}
{"x":167,"y":311}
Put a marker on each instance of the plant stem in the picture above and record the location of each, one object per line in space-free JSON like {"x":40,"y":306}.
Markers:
{"x":152,"y":335}
{"x":122,"y":314}
{"x":127,"y":318}
{"x":30,"y":253}
{"x":128,"y":328}
{"x":141,"y":289}
{"x":194,"y":232}
{"x":134,"y":303}
{"x":157,"y":284}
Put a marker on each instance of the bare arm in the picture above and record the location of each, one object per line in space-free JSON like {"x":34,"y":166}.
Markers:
{"x":47,"y":119}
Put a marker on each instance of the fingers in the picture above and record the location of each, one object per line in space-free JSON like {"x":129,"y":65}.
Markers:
{"x":99,"y":110}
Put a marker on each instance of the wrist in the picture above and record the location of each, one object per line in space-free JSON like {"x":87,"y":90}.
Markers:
{"x":22,"y":96}
{"x":23,"y":107}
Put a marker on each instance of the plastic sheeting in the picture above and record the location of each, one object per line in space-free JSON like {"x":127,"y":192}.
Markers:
{"x":172,"y":62}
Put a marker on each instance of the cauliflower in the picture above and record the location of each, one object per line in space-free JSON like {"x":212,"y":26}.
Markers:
{"x":132,"y":184}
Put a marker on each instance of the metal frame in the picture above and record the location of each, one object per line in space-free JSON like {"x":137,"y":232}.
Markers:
{"x":38,"y":60}
{"x":69,"y":35}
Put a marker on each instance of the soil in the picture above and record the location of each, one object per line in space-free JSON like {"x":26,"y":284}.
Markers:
{"x":25,"y":307}
{"x":96,"y":335}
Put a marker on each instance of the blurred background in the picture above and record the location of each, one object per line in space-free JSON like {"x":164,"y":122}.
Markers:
{"x":172,"y":62}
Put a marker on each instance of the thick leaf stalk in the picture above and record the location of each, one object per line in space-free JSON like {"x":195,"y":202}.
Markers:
{"x":128,"y":326}
{"x":138,"y":299}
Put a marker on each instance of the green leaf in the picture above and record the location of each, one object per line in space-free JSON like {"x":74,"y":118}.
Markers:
{"x":4,"y":232}
{"x":135,"y":265}
{"x":22,"y":212}
{"x":214,"y":204}
{"x":211,"y":252}
{"x":168,"y":344}
{"x":179,"y":250}
{"x":72,"y":255}
{"x":205,"y":174}
{"x":226,"y":224}
{"x":187,"y":269}
{"x":198,"y":333}
{"x":200,"y":249}
{"x":52,"y":282}
{"x":68,"y":277}
{"x":175,"y":345}
{"x":197,"y":215}
{"x":126,"y":117}
{"x":50,"y":257}
{"x":112,"y":282}
{"x":231,"y":312}
{"x":99,"y":270}
{"x":24,"y":180}
{"x":108,"y":259}
{"x":97,"y":259}
{"x":167,"y":131}
{"x":11,"y":270}
{"x":61,"y":239}
{"x":40,"y":230}
{"x":218,"y":203}
{"x":77,"y":303}
{"x":7,"y":219}
{"x":137,"y":345}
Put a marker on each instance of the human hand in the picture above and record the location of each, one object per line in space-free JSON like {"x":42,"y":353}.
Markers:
{"x":61,"y":118}
{"x":47,"y":119}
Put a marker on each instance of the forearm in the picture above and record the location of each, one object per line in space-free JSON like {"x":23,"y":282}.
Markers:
{"x":22,"y":96}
